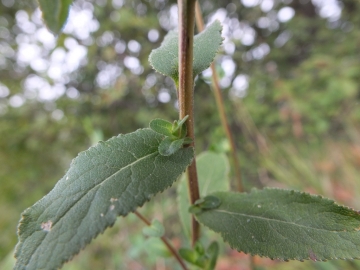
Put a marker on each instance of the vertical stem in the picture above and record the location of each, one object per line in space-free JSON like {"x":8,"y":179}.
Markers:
{"x":220,"y":105}
{"x":186,"y":93}
{"x":165,"y":241}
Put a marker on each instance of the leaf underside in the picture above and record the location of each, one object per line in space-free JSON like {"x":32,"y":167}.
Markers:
{"x":285,"y":225}
{"x":55,"y":13}
{"x":165,"y":59}
{"x":110,"y":179}
{"x":213,"y":175}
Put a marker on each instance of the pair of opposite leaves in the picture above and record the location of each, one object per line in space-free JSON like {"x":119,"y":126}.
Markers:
{"x":175,"y":135}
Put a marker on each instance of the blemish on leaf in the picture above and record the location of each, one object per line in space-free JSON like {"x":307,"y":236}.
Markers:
{"x":46,"y":226}
{"x":101,"y":215}
{"x":112,"y":207}
{"x":259,"y":206}
{"x":113,"y":200}
{"x":312,"y":256}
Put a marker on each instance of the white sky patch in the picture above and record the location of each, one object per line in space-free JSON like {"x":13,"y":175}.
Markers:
{"x":37,"y":87}
{"x":282,"y":38}
{"x":27,"y":53}
{"x":239,"y":86}
{"x":228,"y":65}
{"x":120,"y":47}
{"x":134,"y":46}
{"x":225,"y":82}
{"x":245,"y":33}
{"x":105,"y":39}
{"x":6,"y":50}
{"x":329,"y":9}
{"x":46,"y":38}
{"x":219,"y":14}
{"x":207,"y":73}
{"x":168,"y":19}
{"x":285,"y":14}
{"x":4,"y":91}
{"x":58,"y":55}
{"x":260,"y":51}
{"x":16,"y":101}
{"x":70,"y":43}
{"x":75,"y":57}
{"x":229,"y":48}
{"x":72,"y":93}
{"x":48,"y":93}
{"x":39,"y":64}
{"x":131,"y":62}
{"x":263,"y":22}
{"x":81,"y":23}
{"x":153,"y":35}
{"x":117,"y":3}
{"x":164,"y":95}
{"x":250,"y":3}
{"x":57,"y":114}
{"x":107,"y":75}
{"x":150,"y":80}
{"x":267,"y":5}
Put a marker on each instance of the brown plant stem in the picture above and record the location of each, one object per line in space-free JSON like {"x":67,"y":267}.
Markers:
{"x":221,"y":109}
{"x":165,"y":241}
{"x":186,"y":93}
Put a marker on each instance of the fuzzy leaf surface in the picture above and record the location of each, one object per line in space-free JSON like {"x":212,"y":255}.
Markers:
{"x":213,"y":175}
{"x":109,"y":179}
{"x":165,"y":59}
{"x":169,"y":146}
{"x":55,"y":13}
{"x":161,"y":126}
{"x":285,"y":225}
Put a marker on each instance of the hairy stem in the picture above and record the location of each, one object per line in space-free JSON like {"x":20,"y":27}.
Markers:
{"x":186,"y":93}
{"x":165,"y":241}
{"x":221,"y":109}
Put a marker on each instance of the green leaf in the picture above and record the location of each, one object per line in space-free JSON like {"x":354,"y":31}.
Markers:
{"x":155,"y":230}
{"x":285,"y":225}
{"x":213,"y":170}
{"x":179,"y":124}
{"x":154,"y":247}
{"x":165,"y":59}
{"x":206,"y":46}
{"x":162,"y":127}
{"x":169,"y":146}
{"x":206,"y":203}
{"x":189,"y":255}
{"x":55,"y":13}
{"x":201,"y":258}
{"x":213,"y":253}
{"x":110,"y":179}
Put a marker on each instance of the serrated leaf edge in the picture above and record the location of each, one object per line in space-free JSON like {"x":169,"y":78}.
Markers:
{"x":287,"y":259}
{"x":195,"y":73}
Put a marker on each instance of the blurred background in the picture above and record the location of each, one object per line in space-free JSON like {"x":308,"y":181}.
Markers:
{"x":290,"y":72}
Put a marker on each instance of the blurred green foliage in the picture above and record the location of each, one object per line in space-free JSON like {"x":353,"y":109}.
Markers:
{"x":296,"y":124}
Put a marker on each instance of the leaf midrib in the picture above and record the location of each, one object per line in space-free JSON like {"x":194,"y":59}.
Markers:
{"x":273,"y":220}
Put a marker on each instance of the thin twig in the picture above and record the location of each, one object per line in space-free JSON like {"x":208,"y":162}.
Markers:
{"x":165,"y":241}
{"x":186,"y":93}
{"x":221,"y":109}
